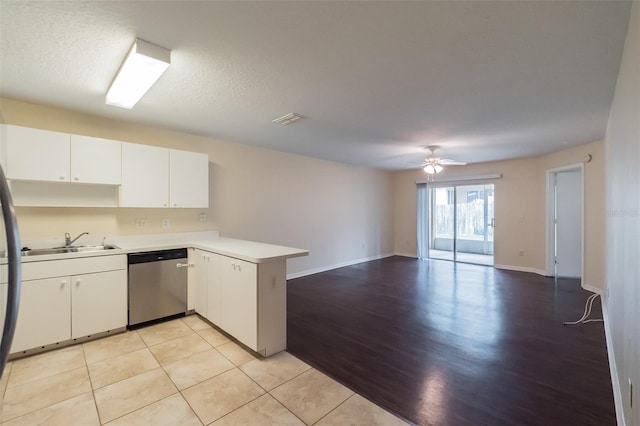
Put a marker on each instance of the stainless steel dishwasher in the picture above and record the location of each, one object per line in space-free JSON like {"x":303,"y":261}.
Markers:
{"x":157,"y":284}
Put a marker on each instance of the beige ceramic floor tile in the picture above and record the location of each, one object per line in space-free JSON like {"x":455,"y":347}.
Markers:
{"x":359,"y":411}
{"x":214,"y":337}
{"x":128,"y":395}
{"x":46,"y":365}
{"x":275,"y":370}
{"x":5,"y":378}
{"x":311,"y":395}
{"x":179,"y":348}
{"x":121,"y":367}
{"x":222,"y":394}
{"x":165,"y":331}
{"x":173,"y":410}
{"x":262,"y":411}
{"x":196,"y":368}
{"x":196,"y":323}
{"x":23,"y":399}
{"x":235,"y":353}
{"x":80,"y":410}
{"x":112,"y":346}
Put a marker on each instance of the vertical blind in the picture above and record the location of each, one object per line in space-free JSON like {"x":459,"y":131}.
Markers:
{"x":423,"y":221}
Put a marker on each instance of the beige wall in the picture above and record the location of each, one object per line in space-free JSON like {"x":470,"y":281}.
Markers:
{"x":340,"y":213}
{"x":622,"y":300}
{"x":520,"y":208}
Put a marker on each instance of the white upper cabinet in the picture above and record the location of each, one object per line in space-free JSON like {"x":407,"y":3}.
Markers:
{"x":145,"y":176}
{"x":189,"y":179}
{"x":149,"y":176}
{"x":34,"y":154}
{"x":42,"y":155}
{"x":95,"y":160}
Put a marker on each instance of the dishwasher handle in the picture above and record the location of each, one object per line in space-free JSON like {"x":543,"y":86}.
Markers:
{"x":185,"y":265}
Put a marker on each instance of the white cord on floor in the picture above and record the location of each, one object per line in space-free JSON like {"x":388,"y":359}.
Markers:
{"x":587,"y":312}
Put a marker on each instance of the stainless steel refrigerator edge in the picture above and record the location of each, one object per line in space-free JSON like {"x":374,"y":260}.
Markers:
{"x":157,"y":285}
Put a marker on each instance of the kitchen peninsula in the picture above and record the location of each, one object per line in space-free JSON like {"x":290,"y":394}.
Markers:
{"x":237,"y":285}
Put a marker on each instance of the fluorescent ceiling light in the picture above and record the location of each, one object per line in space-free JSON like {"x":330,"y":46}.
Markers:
{"x":288,"y":118}
{"x":142,"y":67}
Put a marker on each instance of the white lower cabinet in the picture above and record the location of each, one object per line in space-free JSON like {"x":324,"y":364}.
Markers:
{"x":207,"y":285}
{"x":56,"y":306}
{"x":239,"y":296}
{"x":246,"y":300}
{"x":201,"y":276}
{"x":98,"y":302}
{"x":44,"y":315}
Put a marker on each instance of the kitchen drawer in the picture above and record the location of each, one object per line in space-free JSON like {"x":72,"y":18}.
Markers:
{"x":66,"y":267}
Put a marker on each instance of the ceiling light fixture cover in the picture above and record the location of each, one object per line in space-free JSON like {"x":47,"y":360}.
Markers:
{"x":288,"y":118}
{"x":142,"y":67}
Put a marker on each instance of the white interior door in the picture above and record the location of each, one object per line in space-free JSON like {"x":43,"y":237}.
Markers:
{"x":568,"y":235}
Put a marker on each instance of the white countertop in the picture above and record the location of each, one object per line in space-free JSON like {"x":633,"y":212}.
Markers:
{"x":250,"y":251}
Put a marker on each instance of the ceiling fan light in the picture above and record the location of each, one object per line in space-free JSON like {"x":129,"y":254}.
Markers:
{"x":429,"y":169}
{"x":438,"y":168}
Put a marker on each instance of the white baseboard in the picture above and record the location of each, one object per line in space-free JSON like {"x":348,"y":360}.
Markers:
{"x":593,"y":289}
{"x":522,"y":269}
{"x":412,"y":255}
{"x":336,"y":266}
{"x":615,"y":383}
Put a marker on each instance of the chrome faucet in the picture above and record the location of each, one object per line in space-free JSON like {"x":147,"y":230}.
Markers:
{"x":68,"y":241}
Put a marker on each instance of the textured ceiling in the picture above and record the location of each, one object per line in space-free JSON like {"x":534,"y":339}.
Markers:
{"x":376,"y":80}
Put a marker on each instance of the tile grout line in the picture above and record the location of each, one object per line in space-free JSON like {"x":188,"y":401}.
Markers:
{"x":93,"y":394}
{"x":336,"y":407}
{"x":2,"y":420}
{"x":281,"y":403}
{"x":148,"y":348}
{"x":179,"y":390}
{"x":268,"y":392}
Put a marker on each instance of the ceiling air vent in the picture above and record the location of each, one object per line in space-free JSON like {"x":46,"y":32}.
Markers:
{"x":288,"y":118}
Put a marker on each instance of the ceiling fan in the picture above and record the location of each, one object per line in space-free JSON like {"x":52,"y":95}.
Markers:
{"x":433,"y":164}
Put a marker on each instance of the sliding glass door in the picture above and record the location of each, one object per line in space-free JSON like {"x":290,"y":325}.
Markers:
{"x":461,"y":223}
{"x":442,"y":219}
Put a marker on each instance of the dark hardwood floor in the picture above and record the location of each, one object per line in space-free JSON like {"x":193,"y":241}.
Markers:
{"x":439,"y":343}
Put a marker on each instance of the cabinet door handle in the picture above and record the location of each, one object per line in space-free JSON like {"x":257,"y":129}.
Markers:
{"x":77,"y":283}
{"x":61,"y":177}
{"x":62,"y":284}
{"x":76,"y":178}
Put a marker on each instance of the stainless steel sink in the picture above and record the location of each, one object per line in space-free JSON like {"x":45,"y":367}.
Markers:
{"x":62,"y":250}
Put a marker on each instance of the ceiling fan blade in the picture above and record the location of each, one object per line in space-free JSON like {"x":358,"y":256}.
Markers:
{"x":449,"y":162}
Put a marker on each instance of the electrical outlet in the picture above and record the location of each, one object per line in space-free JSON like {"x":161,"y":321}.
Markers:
{"x":166,"y":223}
{"x":141,"y":223}
{"x":521,"y":252}
{"x":203,"y":217}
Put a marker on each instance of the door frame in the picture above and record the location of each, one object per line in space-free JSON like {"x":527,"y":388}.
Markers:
{"x":550,"y":210}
